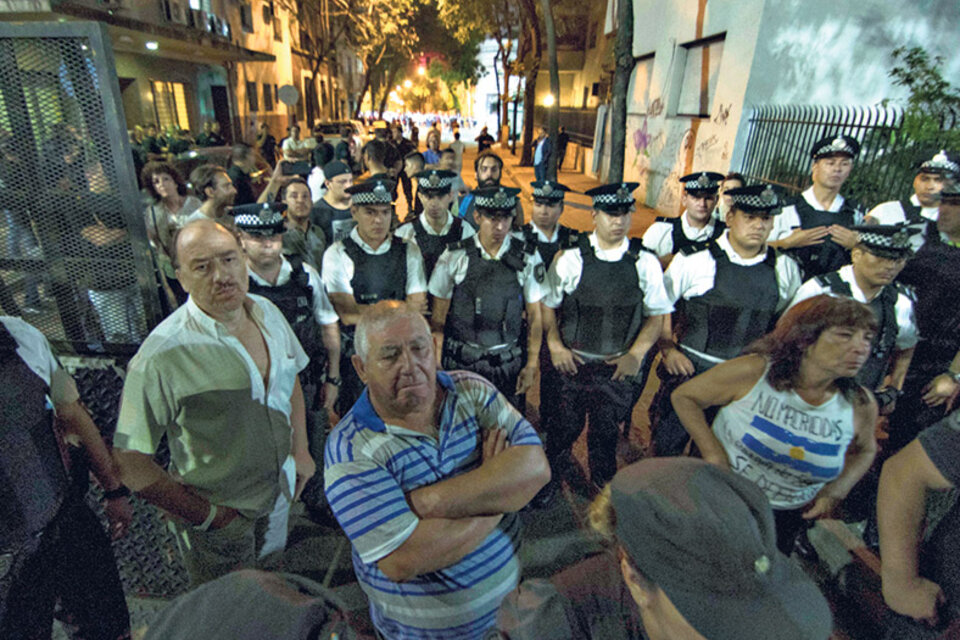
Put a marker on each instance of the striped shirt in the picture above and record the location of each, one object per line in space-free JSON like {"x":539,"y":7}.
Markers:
{"x":370,"y":465}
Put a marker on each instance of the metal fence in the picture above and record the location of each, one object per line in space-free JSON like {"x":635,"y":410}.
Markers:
{"x":780,"y":138}
{"x":74,"y":258}
{"x":580,"y":123}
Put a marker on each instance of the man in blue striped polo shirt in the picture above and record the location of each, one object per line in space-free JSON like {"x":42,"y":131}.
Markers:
{"x":425,"y":474}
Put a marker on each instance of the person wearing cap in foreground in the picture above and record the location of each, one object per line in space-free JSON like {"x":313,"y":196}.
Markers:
{"x":608,"y":293}
{"x":296,"y":289}
{"x":934,"y":374}
{"x":436,"y":227}
{"x":425,"y":474}
{"x":692,"y":556}
{"x":219,"y":378}
{"x":695,"y":224}
{"x":878,"y":258}
{"x":367,"y":266}
{"x":816,"y":226}
{"x":791,"y":417}
{"x":481,"y":288}
{"x":258,"y":605}
{"x":921,"y":207}
{"x":921,"y":568}
{"x":726,"y":295}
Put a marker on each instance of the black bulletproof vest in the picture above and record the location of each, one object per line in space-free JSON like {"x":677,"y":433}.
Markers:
{"x":738,"y":309}
{"x":378,"y":277}
{"x":605,"y":312}
{"x":487,"y":307}
{"x":432,"y":246}
{"x":828,"y":256}
{"x":295,"y":301}
{"x":33,"y":479}
{"x":911,"y":212}
{"x":680,"y":239}
{"x":566,"y":239}
{"x":884,"y":308}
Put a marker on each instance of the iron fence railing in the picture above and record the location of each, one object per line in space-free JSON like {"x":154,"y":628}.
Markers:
{"x":780,"y":137}
{"x":580,"y":123}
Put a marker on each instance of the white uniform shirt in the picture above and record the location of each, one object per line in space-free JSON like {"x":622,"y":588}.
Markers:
{"x":541,"y":236}
{"x":323,"y":311}
{"x":407,"y":232}
{"x":338,"y":267}
{"x":907,"y":334}
{"x":789,"y":220}
{"x":659,"y":236}
{"x":452,"y":268}
{"x":564,"y":276}
{"x":689,"y":276}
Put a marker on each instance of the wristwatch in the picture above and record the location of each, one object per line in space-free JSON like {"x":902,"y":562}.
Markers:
{"x":954,"y":376}
{"x":335,"y":381}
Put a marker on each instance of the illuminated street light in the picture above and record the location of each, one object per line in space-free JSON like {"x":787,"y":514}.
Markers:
{"x":397,"y":88}
{"x":548,"y":100}
{"x":407,"y":83}
{"x":421,"y":70}
{"x":152,"y":45}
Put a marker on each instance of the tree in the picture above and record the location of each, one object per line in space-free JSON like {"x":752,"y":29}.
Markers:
{"x":553,"y":111}
{"x":531,"y":52}
{"x":623,"y":51}
{"x":323,"y":25}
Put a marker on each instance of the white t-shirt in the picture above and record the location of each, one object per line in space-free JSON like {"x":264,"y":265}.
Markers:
{"x":567,"y":267}
{"x":338,"y":268}
{"x":452,"y":268}
{"x":892,"y":213}
{"x":295,"y":145}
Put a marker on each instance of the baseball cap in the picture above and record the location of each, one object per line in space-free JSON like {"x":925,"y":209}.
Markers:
{"x":707,"y":538}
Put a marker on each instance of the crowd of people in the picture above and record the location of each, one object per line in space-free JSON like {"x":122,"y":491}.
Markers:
{"x":323,"y":346}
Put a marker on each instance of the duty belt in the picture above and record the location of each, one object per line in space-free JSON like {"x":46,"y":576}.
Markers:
{"x":596,"y":357}
{"x":468,"y":353}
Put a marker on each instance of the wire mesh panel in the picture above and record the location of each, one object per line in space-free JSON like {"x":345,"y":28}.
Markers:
{"x":75,"y":262}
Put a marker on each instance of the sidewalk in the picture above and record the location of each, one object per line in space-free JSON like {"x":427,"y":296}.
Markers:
{"x":578,"y":207}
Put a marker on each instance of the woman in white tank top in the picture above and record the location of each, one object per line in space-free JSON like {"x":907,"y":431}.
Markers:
{"x":791,"y":417}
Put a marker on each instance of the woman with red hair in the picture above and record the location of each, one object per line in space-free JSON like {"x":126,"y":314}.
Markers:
{"x":791,"y":418}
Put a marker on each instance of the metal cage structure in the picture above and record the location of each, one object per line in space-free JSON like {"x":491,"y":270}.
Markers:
{"x":75,"y":260}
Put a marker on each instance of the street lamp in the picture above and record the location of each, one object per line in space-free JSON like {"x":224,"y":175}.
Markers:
{"x":422,"y":70}
{"x":548,"y":100}
{"x":407,"y":84}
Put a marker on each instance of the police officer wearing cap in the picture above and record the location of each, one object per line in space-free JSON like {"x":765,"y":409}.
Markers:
{"x":934,"y":374}
{"x":436,"y":227}
{"x":878,"y":258}
{"x":816,"y":226}
{"x":481,"y":288}
{"x":726,"y":295}
{"x":608,"y":293}
{"x":296,"y":289}
{"x":922,"y":206}
{"x":367,"y":266}
{"x":695,"y":225}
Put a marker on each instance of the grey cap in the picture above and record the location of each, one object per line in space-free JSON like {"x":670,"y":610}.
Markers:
{"x":707,"y":538}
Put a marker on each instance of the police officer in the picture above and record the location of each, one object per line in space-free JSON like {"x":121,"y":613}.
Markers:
{"x":296,"y":289}
{"x":878,"y":258}
{"x":695,"y":226}
{"x":922,"y":206}
{"x":481,"y":288}
{"x":436,"y":227}
{"x":726,"y":295}
{"x":368,"y":266}
{"x":609,"y":294}
{"x":934,"y":374}
{"x":816,"y":226}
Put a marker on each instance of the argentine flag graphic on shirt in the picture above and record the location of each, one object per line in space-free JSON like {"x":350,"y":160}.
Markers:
{"x":814,"y":457}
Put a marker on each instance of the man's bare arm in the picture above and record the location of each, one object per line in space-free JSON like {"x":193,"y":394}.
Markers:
{"x":435,"y":544}
{"x":139,"y":472}
{"x":76,"y":420}
{"x":418,"y":301}
{"x":505,"y":482}
{"x":347,"y":308}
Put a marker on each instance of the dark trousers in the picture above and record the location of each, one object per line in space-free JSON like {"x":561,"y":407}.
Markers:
{"x":407,"y":184}
{"x":352,"y":385}
{"x":789,"y":523}
{"x":73,"y":562}
{"x":550,"y":384}
{"x":318,"y":423}
{"x":608,"y":403}
{"x":668,"y":435}
{"x":502,"y":374}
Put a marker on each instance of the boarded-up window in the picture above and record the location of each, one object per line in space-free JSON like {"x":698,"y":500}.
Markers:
{"x":640,"y":85}
{"x":700,"y":74}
